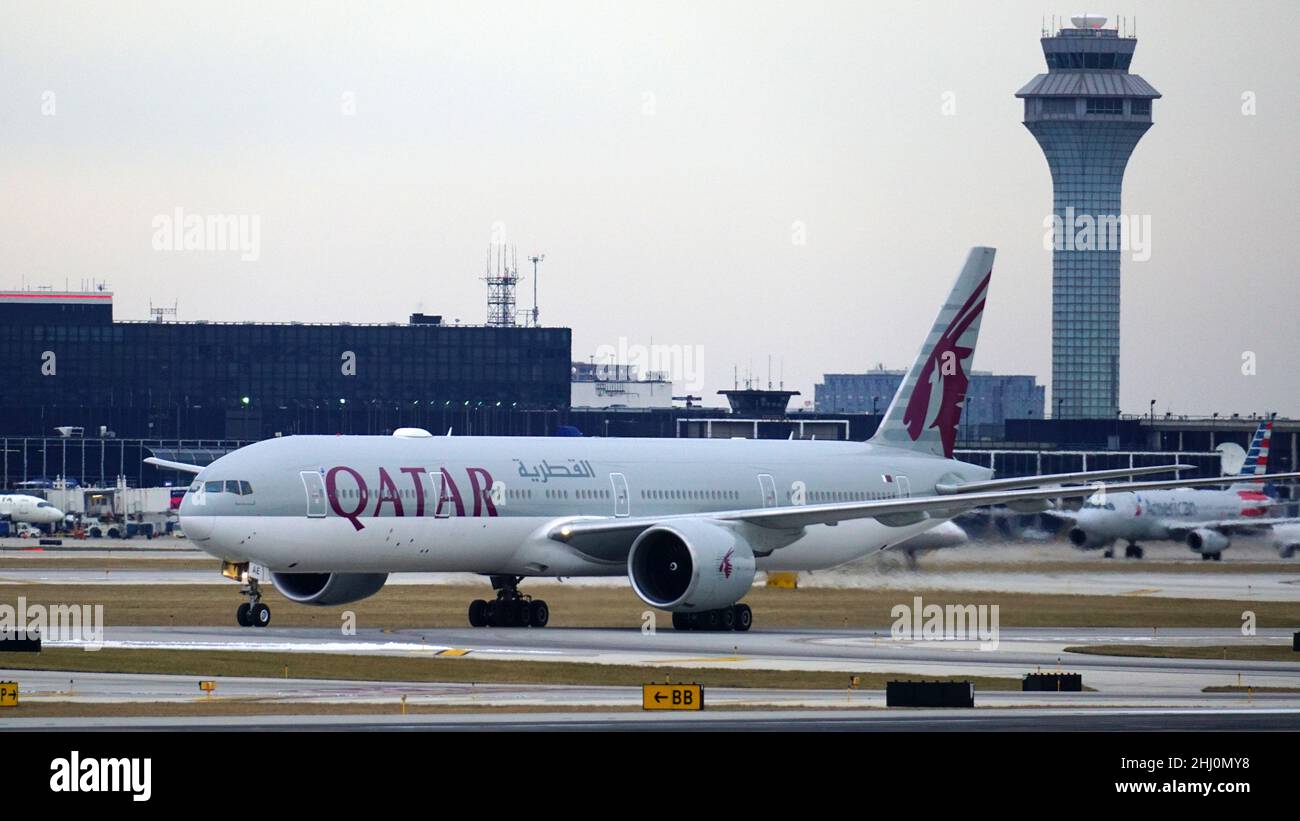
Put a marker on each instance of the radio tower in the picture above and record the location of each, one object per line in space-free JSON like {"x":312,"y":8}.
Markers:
{"x":502,"y":276}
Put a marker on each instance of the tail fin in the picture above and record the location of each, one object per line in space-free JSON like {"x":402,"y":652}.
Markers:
{"x":1256,"y":463}
{"x":927,"y":408}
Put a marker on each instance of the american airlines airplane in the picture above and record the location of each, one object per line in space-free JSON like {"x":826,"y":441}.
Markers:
{"x":19,"y":507}
{"x":689,"y":522}
{"x":1204,"y":518}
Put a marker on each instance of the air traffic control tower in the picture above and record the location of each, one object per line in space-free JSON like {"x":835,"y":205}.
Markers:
{"x":1087,"y":113}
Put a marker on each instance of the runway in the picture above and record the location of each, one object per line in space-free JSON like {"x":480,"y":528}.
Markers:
{"x":978,"y":720}
{"x":1208,"y":584}
{"x":1018,"y":651}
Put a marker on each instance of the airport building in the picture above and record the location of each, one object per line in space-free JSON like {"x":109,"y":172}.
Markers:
{"x":991,"y":399}
{"x":65,"y":363}
{"x":1087,"y":114}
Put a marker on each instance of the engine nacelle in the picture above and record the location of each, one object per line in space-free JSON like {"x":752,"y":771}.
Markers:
{"x":1089,"y":540}
{"x":690,"y":566}
{"x":1207,"y":541}
{"x":328,"y":589}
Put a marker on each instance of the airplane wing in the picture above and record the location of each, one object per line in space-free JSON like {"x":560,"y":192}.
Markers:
{"x":1230,"y":526}
{"x":894,"y":512}
{"x":1057,"y":479}
{"x":183,"y":467}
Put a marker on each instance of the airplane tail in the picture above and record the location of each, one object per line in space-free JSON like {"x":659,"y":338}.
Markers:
{"x":1256,"y":463}
{"x":926,"y":410}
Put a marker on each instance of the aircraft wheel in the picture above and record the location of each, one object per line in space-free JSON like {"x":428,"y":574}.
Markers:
{"x":1110,"y":553}
{"x":744,"y":617}
{"x":681,"y":621}
{"x":727,"y":619}
{"x":1218,"y":557}
{"x":539,"y":614}
{"x":708,"y":620}
{"x":478,"y":613}
{"x":1138,"y":552}
{"x":1205,"y":557}
{"x":490,"y":613}
{"x":260,"y":614}
{"x":242,"y":615}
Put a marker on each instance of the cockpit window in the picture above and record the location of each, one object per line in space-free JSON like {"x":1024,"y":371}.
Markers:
{"x":194,"y":488}
{"x":212,"y":487}
{"x":232,"y":486}
{"x":245,"y":487}
{"x":44,"y":504}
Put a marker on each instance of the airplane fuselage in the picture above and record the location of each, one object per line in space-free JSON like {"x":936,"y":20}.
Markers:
{"x":486,"y":504}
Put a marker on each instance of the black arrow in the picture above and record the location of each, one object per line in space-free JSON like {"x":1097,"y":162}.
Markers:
{"x":659,"y":697}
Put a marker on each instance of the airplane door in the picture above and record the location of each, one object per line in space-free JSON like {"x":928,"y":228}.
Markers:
{"x":315,"y":487}
{"x":768,"y":487}
{"x":904,"y":486}
{"x":443,"y":503}
{"x":622,"y":505}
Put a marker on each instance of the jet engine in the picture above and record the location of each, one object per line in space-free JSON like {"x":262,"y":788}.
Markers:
{"x":327,"y":589}
{"x":690,"y":566}
{"x":1088,"y":540}
{"x":1207,"y":542}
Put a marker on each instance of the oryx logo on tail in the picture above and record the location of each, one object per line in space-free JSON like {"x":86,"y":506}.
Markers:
{"x":944,"y":374}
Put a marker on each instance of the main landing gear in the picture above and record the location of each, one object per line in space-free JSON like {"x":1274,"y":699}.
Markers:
{"x":1211,"y":557}
{"x":1133,"y":551}
{"x":737,"y":617}
{"x":510,"y":608}
{"x":253,"y":613}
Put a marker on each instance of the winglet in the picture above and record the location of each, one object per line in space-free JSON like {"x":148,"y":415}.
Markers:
{"x":167,"y":464}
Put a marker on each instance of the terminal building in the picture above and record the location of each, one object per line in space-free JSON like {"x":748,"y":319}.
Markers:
{"x":991,"y":399}
{"x":67,"y":364}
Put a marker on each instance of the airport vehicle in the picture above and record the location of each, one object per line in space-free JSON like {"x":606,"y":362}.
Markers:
{"x":1205,"y":519}
{"x":21,"y":507}
{"x":326,"y":519}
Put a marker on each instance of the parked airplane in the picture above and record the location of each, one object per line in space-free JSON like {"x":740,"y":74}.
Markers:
{"x":19,"y":507}
{"x":1205,"y":518}
{"x":326,"y":519}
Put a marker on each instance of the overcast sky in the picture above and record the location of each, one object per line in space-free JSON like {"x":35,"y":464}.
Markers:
{"x":667,"y":158}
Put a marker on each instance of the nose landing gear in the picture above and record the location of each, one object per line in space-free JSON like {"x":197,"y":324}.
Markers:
{"x":253,"y":613}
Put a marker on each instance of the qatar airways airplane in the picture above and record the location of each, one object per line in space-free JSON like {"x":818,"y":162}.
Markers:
{"x":689,"y":522}
{"x":1204,"y":518}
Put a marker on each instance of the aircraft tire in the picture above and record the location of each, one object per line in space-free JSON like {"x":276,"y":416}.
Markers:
{"x":260,"y":615}
{"x":539,"y":614}
{"x":242,"y":615}
{"x":727,"y":618}
{"x":478,"y":613}
{"x":744,"y":617}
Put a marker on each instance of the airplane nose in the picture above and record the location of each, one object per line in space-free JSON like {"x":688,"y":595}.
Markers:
{"x":197,"y":528}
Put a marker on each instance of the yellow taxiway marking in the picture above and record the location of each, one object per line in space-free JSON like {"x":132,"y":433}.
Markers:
{"x":702,"y":658}
{"x":1143,"y":592}
{"x":453,"y":652}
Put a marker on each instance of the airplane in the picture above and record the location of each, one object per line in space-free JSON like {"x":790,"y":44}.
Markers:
{"x":19,"y":507}
{"x":689,"y":522}
{"x":1204,"y":518}
{"x":1286,"y":538}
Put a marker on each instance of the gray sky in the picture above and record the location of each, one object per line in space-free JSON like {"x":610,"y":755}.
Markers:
{"x":660,"y":155}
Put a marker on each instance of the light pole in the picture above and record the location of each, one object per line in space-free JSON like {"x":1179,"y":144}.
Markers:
{"x":535,"y":260}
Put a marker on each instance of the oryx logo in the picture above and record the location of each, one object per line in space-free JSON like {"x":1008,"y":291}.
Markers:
{"x":950,"y":382}
{"x":724,"y":567}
